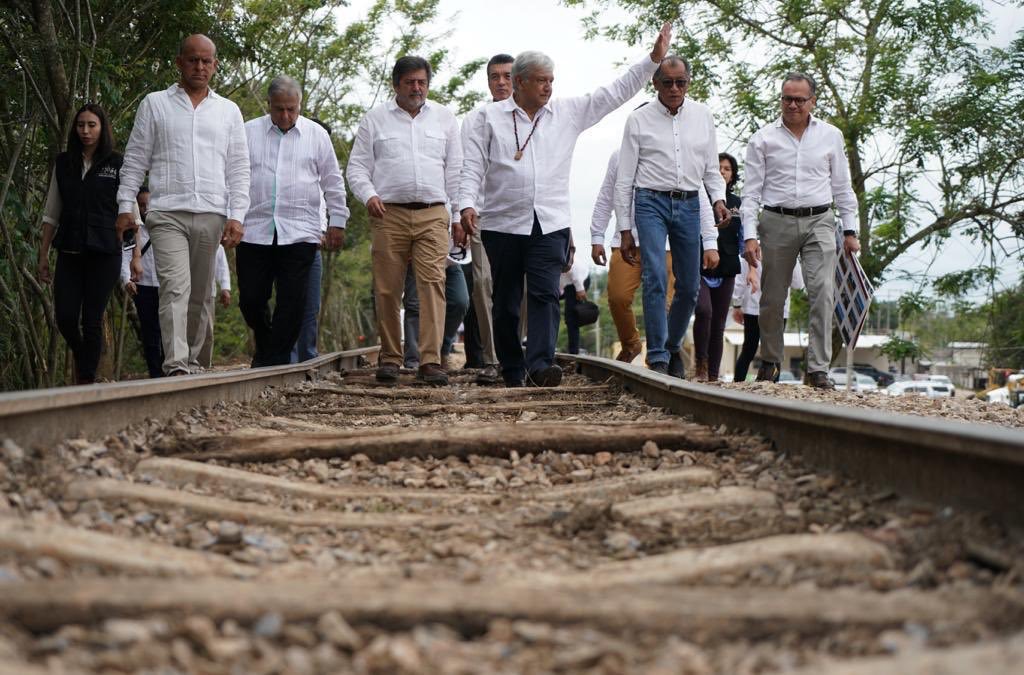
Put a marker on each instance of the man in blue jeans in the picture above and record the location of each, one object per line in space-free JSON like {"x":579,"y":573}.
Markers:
{"x":669,"y":156}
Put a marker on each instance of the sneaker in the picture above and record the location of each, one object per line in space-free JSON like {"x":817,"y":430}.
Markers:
{"x":768,"y":372}
{"x":488,"y":375}
{"x":659,"y":367}
{"x":546,"y":377}
{"x":627,"y":354}
{"x":700,"y":370}
{"x":432,"y":373}
{"x":387,"y":372}
{"x":675,"y":364}
{"x":819,"y":380}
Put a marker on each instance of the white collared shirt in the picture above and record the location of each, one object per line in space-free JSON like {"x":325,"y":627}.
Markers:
{"x":222,"y":273}
{"x":197,"y":158}
{"x":783,"y":171}
{"x":290,"y":173}
{"x":513,"y":190}
{"x":749,"y":300}
{"x":403,"y":159}
{"x":577,"y":274}
{"x":666,"y":152}
{"x":148,"y":277}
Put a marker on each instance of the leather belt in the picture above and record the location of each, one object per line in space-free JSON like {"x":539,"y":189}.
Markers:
{"x":416,"y":206}
{"x":674,"y":194}
{"x":801,"y":212}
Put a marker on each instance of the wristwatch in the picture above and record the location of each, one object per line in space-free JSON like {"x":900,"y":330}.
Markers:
{"x":850,"y":233}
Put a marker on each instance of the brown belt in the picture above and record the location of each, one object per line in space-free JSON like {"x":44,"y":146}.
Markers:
{"x":416,"y":206}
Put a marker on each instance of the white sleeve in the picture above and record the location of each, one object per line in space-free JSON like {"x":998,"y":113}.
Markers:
{"x":797,"y":282}
{"x":453,"y":166}
{"x":713,"y":180}
{"x":842,"y":189}
{"x":332,"y":185}
{"x":753,"y":186}
{"x":625,"y":176}
{"x":474,"y":160}
{"x":740,"y":287}
{"x":237,"y":170}
{"x":138,"y":155}
{"x":360,"y":163}
{"x":590,"y":109}
{"x":708,"y":230}
{"x":604,"y":205}
{"x":223,"y":273}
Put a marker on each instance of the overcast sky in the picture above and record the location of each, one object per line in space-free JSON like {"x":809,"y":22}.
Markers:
{"x":582,"y":65}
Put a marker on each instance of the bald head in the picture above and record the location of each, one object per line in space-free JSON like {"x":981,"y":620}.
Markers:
{"x":197,"y":62}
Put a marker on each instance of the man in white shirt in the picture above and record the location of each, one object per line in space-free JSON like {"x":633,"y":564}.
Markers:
{"x":192,"y":143}
{"x":796,"y":168}
{"x":404,"y":166}
{"x":669,"y":155}
{"x":623,"y":278}
{"x":292,"y":161}
{"x":499,"y":81}
{"x":518,"y":159}
{"x":138,"y":276}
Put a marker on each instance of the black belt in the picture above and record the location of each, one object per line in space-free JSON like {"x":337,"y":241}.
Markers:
{"x":802,"y":212}
{"x":417,"y":206}
{"x":674,"y":194}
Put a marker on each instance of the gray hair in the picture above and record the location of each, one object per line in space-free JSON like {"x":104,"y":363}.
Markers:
{"x":282,"y":84}
{"x":527,"y":62}
{"x":797,"y":76}
{"x":672,"y":60}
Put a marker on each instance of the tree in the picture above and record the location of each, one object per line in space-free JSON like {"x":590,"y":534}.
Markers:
{"x":1006,"y":328}
{"x":900,"y":349}
{"x":934,"y":125}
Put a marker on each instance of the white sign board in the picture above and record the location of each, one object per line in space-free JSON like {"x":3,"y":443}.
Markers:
{"x":853,"y":297}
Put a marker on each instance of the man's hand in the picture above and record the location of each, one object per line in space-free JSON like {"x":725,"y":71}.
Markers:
{"x":710,"y":259}
{"x":753,"y":280}
{"x":232,"y":233}
{"x":752,"y":252}
{"x":130,"y":288}
{"x":581,"y":296}
{"x":376,"y":207}
{"x":334,"y":239}
{"x":469,"y":220}
{"x":851,"y":244}
{"x":135,"y":267}
{"x":43,"y":269}
{"x":125,"y":221}
{"x":722,"y":214}
{"x":597,"y":254}
{"x":737,"y":315}
{"x":224,"y":297}
{"x":628,"y":249}
{"x":459,"y":235}
{"x":661,"y":44}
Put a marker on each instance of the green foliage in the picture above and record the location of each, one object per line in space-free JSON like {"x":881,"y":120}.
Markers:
{"x":1006,"y":330}
{"x":900,"y":349}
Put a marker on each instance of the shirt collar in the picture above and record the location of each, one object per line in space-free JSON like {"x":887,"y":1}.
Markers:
{"x":509,"y":104}
{"x":177,"y":90}
{"x":392,"y":105}
{"x":812,"y":122}
{"x":664,"y":109}
{"x":299,"y":121}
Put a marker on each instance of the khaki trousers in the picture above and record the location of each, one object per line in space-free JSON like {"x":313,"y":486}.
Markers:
{"x":483,"y":291}
{"x":813,"y":239}
{"x":401,"y":236}
{"x":623,"y":282}
{"x":184,"y":250}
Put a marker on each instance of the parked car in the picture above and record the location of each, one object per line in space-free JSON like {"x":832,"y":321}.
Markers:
{"x":861,"y":383}
{"x":924,"y":388}
{"x":883,"y":378}
{"x":787,"y":377}
{"x":943,"y":380}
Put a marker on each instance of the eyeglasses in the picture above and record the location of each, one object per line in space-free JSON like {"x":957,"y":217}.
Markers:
{"x":800,"y":101}
{"x":668,"y":83}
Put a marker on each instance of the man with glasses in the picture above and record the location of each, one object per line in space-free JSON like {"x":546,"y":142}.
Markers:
{"x":518,"y":159}
{"x":404,"y":166}
{"x":669,"y":154}
{"x":796,"y":168}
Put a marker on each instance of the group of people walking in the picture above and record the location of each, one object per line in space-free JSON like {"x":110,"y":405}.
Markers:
{"x":466,"y":222}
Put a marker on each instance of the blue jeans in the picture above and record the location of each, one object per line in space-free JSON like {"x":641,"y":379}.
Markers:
{"x":305,"y":346}
{"x":658,"y":216}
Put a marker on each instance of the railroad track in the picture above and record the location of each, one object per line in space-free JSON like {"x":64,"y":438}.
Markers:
{"x":305,"y":520}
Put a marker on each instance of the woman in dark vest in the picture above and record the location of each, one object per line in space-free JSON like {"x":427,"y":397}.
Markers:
{"x":78,"y":220}
{"x":716,"y":285}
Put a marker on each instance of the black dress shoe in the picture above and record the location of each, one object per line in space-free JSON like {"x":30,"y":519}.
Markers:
{"x":387,"y":372}
{"x":819,"y":380}
{"x":675,"y":364}
{"x":546,"y":377}
{"x":659,"y":367}
{"x":768,"y":372}
{"x":487,"y":375}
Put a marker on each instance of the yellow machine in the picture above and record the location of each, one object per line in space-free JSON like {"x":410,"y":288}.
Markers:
{"x":1006,"y":377}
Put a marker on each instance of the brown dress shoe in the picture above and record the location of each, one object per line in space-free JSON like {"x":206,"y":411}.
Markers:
{"x":628,"y":353}
{"x":387,"y":372}
{"x":819,"y":380}
{"x":432,"y":373}
{"x":768,"y":372}
{"x":700,"y":370}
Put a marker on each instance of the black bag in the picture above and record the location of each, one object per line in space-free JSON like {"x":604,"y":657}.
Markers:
{"x":587,"y":313}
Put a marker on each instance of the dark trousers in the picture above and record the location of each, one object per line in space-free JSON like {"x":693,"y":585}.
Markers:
{"x":305,"y":346}
{"x":263,"y":269}
{"x":572,"y":324}
{"x":751,"y":339}
{"x":471,"y":330}
{"x":709,"y":323}
{"x":81,"y":288}
{"x":410,"y":321}
{"x":147,"y":305}
{"x":540,"y":257}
